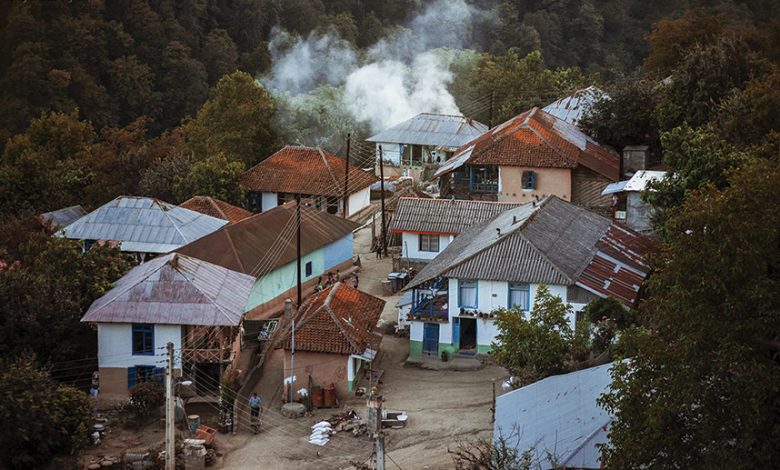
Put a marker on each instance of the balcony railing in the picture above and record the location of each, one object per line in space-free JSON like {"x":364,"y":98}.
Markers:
{"x":484,"y":187}
{"x":206,"y":355}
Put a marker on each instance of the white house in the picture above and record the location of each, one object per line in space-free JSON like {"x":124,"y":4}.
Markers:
{"x":501,"y":262}
{"x":428,"y":226}
{"x":193,"y":304}
{"x":628,"y":205}
{"x":313,"y":173}
{"x":557,"y":419}
{"x":425,"y":139}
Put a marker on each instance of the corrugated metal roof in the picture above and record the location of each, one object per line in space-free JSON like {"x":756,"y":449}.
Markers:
{"x":437,"y":130}
{"x":536,"y":139}
{"x":574,"y":107}
{"x":446,"y":216}
{"x":175,"y":289}
{"x":55,"y":220}
{"x":613,"y":188}
{"x":553,"y":242}
{"x":642,"y":178}
{"x":559,"y":416}
{"x":142,"y":224}
{"x":261,"y":243}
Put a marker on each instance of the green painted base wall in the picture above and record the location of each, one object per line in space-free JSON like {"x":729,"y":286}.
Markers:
{"x":484,"y":348}
{"x":415,"y":348}
{"x":352,"y":384}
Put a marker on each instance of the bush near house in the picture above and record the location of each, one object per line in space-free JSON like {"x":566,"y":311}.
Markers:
{"x":145,"y":398}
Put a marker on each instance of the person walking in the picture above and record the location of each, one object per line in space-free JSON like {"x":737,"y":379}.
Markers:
{"x":254,"y":405}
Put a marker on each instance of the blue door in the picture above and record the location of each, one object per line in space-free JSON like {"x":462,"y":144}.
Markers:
{"x":431,"y":339}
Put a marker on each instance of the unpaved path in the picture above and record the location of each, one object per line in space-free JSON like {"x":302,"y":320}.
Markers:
{"x":444,"y":407}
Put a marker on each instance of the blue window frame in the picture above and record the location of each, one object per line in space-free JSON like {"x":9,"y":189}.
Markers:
{"x":519,"y":295}
{"x":467,"y":293}
{"x":139,"y":374}
{"x":143,"y":339}
{"x":309,"y":269}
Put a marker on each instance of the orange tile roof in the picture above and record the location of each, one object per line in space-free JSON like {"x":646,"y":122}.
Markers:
{"x":339,"y":320}
{"x":216,"y":208}
{"x":305,"y":170}
{"x":537,"y":139}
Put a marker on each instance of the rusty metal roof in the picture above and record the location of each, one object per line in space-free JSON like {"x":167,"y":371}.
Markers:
{"x":142,"y":224}
{"x":175,"y":289}
{"x":261,"y":243}
{"x":536,"y":139}
{"x":437,"y":130}
{"x":215,"y":208}
{"x":443,"y":216}
{"x":305,"y":170}
{"x":574,"y":107}
{"x":339,"y":320}
{"x":552,"y":242}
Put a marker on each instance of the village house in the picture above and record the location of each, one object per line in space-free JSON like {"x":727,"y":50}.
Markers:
{"x":427,"y":226}
{"x":531,"y":156}
{"x":313,"y":173}
{"x":501,"y":262}
{"x":141,"y":225}
{"x":627,"y":203}
{"x":216,"y":208}
{"x":574,"y":107}
{"x":263,"y":246}
{"x":557,"y":419}
{"x":426,"y":140}
{"x":336,"y":334}
{"x":193,"y":304}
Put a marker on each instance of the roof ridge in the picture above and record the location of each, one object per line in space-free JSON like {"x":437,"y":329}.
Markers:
{"x":175,"y":225}
{"x":550,"y":144}
{"x":330,"y":170}
{"x":197,"y":287}
{"x":339,"y":322}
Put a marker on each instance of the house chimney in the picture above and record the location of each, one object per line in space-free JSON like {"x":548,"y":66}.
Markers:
{"x":635,"y":158}
{"x":514,"y":219}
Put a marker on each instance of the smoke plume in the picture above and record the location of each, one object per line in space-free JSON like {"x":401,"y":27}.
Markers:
{"x":403,"y":74}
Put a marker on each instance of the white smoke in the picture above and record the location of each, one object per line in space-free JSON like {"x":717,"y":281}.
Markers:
{"x":402,"y":74}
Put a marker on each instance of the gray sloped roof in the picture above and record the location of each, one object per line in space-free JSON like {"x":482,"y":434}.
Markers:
{"x":438,"y":130}
{"x":175,"y":289}
{"x":446,"y":216}
{"x":55,"y":220}
{"x":574,"y":107}
{"x":552,"y":242}
{"x":558,"y":415}
{"x":142,"y":224}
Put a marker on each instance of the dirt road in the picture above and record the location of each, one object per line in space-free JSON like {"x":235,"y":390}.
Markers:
{"x":444,"y":407}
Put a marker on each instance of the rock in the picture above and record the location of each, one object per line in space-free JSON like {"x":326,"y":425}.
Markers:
{"x":293,"y":410}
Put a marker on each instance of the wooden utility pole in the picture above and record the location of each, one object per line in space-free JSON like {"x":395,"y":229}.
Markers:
{"x":382,"y":189}
{"x":346,"y":177}
{"x":490,"y":119}
{"x":170,"y":430}
{"x":288,"y":314}
{"x":375,"y":428}
{"x":298,"y":243}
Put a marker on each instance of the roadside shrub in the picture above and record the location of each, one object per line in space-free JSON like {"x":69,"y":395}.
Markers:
{"x":145,"y":397}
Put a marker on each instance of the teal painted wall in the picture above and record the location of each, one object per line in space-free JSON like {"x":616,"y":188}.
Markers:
{"x":415,"y":348}
{"x":284,"y":278}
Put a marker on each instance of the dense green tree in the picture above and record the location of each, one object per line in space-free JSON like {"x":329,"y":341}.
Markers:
{"x":235,"y":121}
{"x":693,"y":158}
{"x":46,"y":285}
{"x":183,"y":82}
{"x":51,"y":422}
{"x":703,"y":389}
{"x":44,"y":168}
{"x":301,"y":16}
{"x":216,"y":176}
{"x":221,"y":55}
{"x":625,"y":115}
{"x":748,"y":116}
{"x":541,"y":345}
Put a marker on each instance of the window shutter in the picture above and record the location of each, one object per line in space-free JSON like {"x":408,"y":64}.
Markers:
{"x":159,"y":374}
{"x":532,"y":179}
